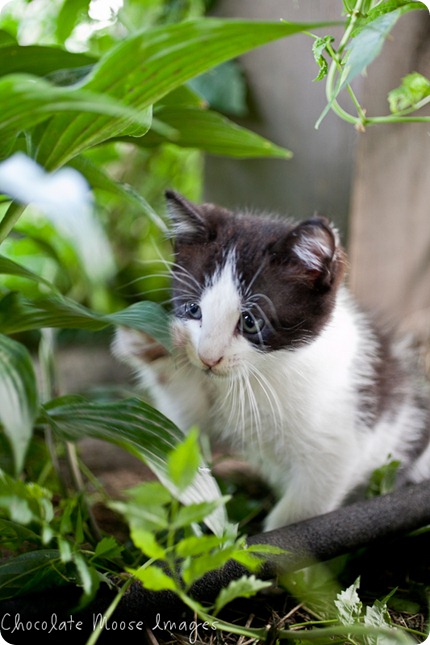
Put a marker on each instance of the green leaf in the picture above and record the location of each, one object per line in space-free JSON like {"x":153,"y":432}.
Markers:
{"x":154,"y":578}
{"x":414,"y":88}
{"x":68,"y":17}
{"x":146,"y":542}
{"x":193,"y":127}
{"x":387,"y":6}
{"x":196,"y":567}
{"x":107,"y":548}
{"x":27,"y":100}
{"x":149,"y":494}
{"x":223,"y":88}
{"x":244,"y":587}
{"x":197,"y":545}
{"x":367,"y":45}
{"x":198,"y":512}
{"x":89,"y":578}
{"x":318,"y":48}
{"x":146,"y":433}
{"x":6,"y":38}
{"x":349,"y":605}
{"x":9,"y":267}
{"x":18,"y":397}
{"x":144,"y":68}
{"x":183,"y":462}
{"x":41,"y":60}
{"x":265,"y":549}
{"x":30,"y":572}
{"x":13,"y":534}
{"x":145,"y":510}
{"x":19,"y":314}
{"x":383,"y":479}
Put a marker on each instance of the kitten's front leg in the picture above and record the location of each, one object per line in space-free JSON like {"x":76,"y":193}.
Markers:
{"x":175,"y":387}
{"x":309,"y":494}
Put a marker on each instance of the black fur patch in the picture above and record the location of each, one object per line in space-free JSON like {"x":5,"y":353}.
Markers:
{"x":289,"y":271}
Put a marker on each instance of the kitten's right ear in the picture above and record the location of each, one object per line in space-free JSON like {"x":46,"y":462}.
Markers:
{"x":187,"y":221}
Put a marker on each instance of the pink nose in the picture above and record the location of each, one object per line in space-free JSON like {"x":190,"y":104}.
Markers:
{"x":210,"y":362}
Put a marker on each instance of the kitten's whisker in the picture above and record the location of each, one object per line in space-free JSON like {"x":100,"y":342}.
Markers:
{"x":249,"y":286}
{"x":261,"y":296}
{"x":269,"y":392}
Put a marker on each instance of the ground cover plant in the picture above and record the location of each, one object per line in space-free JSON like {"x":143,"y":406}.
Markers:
{"x":95,"y":123}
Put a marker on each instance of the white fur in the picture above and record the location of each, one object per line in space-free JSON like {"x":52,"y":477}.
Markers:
{"x":293,"y":414}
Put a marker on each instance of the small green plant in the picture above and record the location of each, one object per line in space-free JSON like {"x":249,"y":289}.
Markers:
{"x":368,"y":25}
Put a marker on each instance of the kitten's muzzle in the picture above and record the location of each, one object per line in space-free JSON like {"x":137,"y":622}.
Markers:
{"x":210,"y":362}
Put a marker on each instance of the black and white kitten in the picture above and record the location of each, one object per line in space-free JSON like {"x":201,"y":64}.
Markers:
{"x":273,"y":355}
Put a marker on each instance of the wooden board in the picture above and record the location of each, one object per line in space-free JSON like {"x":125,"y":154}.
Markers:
{"x":390,"y":208}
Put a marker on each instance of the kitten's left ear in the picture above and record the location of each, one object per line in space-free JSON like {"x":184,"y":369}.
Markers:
{"x":313,"y":249}
{"x":188,"y":223}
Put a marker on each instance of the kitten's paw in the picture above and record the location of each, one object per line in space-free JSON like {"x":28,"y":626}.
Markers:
{"x":136,"y":348}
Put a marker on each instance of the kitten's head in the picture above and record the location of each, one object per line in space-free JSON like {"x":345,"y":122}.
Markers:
{"x":246,"y":285}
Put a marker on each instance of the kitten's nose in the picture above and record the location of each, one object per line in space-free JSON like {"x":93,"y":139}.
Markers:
{"x":210,"y":362}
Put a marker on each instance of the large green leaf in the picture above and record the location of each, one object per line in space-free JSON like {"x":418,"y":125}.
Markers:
{"x":19,"y":314}
{"x":40,"y":60}
{"x":146,"y":67}
{"x":18,"y":397}
{"x":191,"y":127}
{"x":140,"y":429}
{"x":27,"y":100}
{"x":9,"y":267}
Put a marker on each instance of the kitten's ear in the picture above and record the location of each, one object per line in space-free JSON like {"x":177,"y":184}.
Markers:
{"x":188,"y":222}
{"x":312,"y":248}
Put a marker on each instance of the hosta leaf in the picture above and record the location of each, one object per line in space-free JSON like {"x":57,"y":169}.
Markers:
{"x":224,"y":88}
{"x":18,"y":397}
{"x":146,"y":433}
{"x":19,"y":314}
{"x":6,"y":38}
{"x":27,"y":100}
{"x":40,"y":60}
{"x":9,"y":267}
{"x":191,"y":127}
{"x":144,"y":68}
{"x":68,"y":17}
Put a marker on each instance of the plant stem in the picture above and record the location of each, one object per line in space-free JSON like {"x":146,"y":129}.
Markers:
{"x":108,"y":613}
{"x":10,"y":218}
{"x":50,"y":389}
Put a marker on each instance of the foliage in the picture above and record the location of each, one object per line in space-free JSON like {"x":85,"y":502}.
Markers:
{"x":129,"y":104}
{"x":368,"y":25}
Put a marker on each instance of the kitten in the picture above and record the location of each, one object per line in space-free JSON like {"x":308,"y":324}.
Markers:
{"x":273,"y":355}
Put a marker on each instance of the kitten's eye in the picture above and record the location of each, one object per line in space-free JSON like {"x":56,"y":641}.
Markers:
{"x":193,"y":310}
{"x":249,"y":324}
